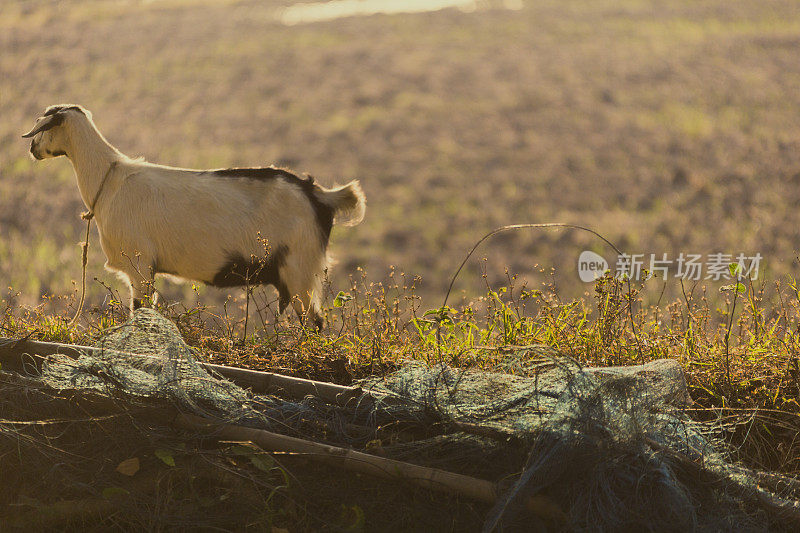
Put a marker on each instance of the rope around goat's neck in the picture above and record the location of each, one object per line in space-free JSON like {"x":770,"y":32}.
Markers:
{"x":88,"y":216}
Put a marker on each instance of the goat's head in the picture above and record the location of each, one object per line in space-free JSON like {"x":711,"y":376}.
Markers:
{"x":50,"y":140}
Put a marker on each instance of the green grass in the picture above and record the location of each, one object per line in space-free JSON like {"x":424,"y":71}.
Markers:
{"x":374,"y":327}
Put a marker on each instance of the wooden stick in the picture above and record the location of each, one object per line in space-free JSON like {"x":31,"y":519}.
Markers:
{"x":429,"y":478}
{"x":28,"y":355}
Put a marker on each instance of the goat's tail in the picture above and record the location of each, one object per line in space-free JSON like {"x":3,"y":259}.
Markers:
{"x":348,"y":203}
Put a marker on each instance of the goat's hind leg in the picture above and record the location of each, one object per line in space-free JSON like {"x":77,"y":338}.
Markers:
{"x":142,"y":294}
{"x":306,"y":306}
{"x":303,"y":296}
{"x":303,"y":307}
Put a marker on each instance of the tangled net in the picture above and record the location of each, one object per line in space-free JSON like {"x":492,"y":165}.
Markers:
{"x":613,"y":447}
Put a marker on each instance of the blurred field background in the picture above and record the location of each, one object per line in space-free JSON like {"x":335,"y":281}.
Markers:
{"x":666,"y":126}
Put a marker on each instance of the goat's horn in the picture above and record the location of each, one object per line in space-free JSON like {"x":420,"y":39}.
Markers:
{"x":45,"y":123}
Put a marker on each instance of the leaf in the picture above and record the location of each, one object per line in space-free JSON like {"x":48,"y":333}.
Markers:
{"x":109,"y":493}
{"x":442,"y":314}
{"x":242,"y":449}
{"x":128,"y":467}
{"x":259,"y":459}
{"x":735,"y":269}
{"x":341,"y":299}
{"x":737,"y":287}
{"x":262,"y":461}
{"x":165,"y":457}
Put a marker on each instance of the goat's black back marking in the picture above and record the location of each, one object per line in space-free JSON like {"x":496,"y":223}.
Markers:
{"x":267,"y":173}
{"x":322,"y":212}
{"x":239,"y":271}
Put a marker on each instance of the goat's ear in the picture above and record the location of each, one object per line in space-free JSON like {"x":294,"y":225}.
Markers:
{"x":45,"y":123}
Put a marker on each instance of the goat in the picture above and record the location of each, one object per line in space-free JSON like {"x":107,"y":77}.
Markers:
{"x":226,"y":227}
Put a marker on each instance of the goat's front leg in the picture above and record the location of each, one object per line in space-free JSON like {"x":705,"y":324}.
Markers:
{"x":137,"y":269}
{"x":140,"y":280}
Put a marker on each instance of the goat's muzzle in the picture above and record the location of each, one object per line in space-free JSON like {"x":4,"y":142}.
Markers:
{"x":34,"y":153}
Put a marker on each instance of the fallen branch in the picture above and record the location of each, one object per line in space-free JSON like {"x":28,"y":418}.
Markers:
{"x":429,"y":478}
{"x":433,"y":479}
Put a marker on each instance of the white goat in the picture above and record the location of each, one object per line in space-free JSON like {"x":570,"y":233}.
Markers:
{"x":227,"y":227}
